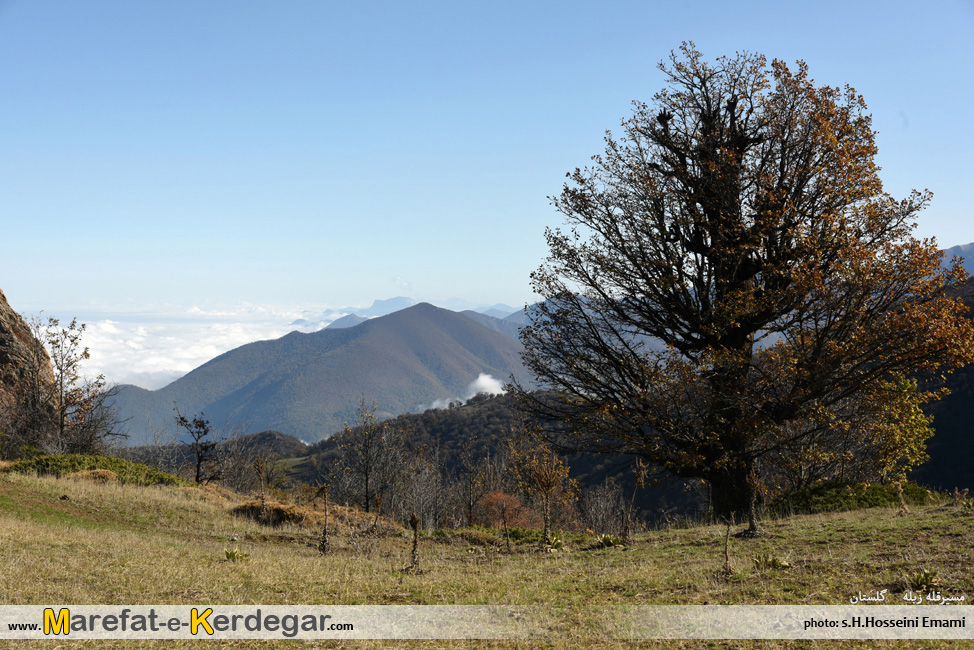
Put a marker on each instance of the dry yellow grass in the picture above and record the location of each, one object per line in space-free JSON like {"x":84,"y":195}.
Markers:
{"x":121,"y":544}
{"x":96,"y":475}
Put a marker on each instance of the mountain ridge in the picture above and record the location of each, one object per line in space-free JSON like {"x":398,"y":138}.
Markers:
{"x":309,"y":384}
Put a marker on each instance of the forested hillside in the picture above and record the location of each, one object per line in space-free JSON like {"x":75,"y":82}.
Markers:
{"x":951,"y":449}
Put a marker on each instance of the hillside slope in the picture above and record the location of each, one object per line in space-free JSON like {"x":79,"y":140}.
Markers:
{"x":120,"y":544}
{"x":309,"y":385}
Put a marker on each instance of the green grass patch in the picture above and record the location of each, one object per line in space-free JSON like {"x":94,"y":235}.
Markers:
{"x":60,"y":465}
{"x":46,"y":514}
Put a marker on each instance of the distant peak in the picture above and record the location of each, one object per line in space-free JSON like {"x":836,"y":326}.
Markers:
{"x":384,"y":307}
{"x":961,"y":249}
{"x":351,"y":320}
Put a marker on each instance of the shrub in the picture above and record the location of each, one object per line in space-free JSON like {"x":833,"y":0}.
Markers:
{"x":347,"y":522}
{"x":492,"y":508}
{"x":607,"y":541}
{"x":923,"y":580}
{"x":833,"y":496}
{"x":769,"y":561}
{"x":272,"y":513}
{"x":521,"y":535}
{"x":479,"y":537}
{"x":127,"y":472}
{"x":235,"y":554}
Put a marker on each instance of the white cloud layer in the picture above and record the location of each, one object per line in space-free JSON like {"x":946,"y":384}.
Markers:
{"x":485,"y":384}
{"x":152,"y":350}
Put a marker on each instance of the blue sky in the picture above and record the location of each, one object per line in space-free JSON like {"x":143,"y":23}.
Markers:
{"x":267,"y":158}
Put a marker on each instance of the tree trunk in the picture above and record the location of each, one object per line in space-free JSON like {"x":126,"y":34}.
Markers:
{"x":414,"y":523}
{"x":733,"y":495}
{"x":627,"y":526}
{"x":368,"y":495}
{"x":546,"y":508}
{"x":734,"y":481}
{"x":323,"y":544}
{"x":507,"y":534}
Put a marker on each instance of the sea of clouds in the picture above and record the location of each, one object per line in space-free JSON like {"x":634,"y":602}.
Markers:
{"x":152,"y":349}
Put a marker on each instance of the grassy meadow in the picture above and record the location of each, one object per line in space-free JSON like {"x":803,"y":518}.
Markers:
{"x":84,"y":542}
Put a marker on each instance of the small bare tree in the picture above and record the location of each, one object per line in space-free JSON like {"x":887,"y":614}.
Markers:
{"x":324,"y":543}
{"x":204,"y":447}
{"x":472,"y":482}
{"x":603,"y":507}
{"x":419,"y":489}
{"x":414,"y":522}
{"x":260,"y":471}
{"x":164,"y":452}
{"x":371,"y":456}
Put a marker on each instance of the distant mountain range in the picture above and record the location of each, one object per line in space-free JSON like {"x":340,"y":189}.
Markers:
{"x":964,"y":250}
{"x":388,"y":306}
{"x":309,"y":385}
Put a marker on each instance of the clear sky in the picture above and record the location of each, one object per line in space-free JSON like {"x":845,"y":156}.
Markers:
{"x":273,"y":157}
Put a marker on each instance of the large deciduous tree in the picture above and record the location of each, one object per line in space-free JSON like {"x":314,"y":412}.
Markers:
{"x":734,"y":285}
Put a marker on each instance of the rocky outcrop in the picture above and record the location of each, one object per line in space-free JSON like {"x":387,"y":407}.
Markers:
{"x":17,"y":354}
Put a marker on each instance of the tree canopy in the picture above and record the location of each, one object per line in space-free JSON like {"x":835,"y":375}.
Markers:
{"x":735,"y":296}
